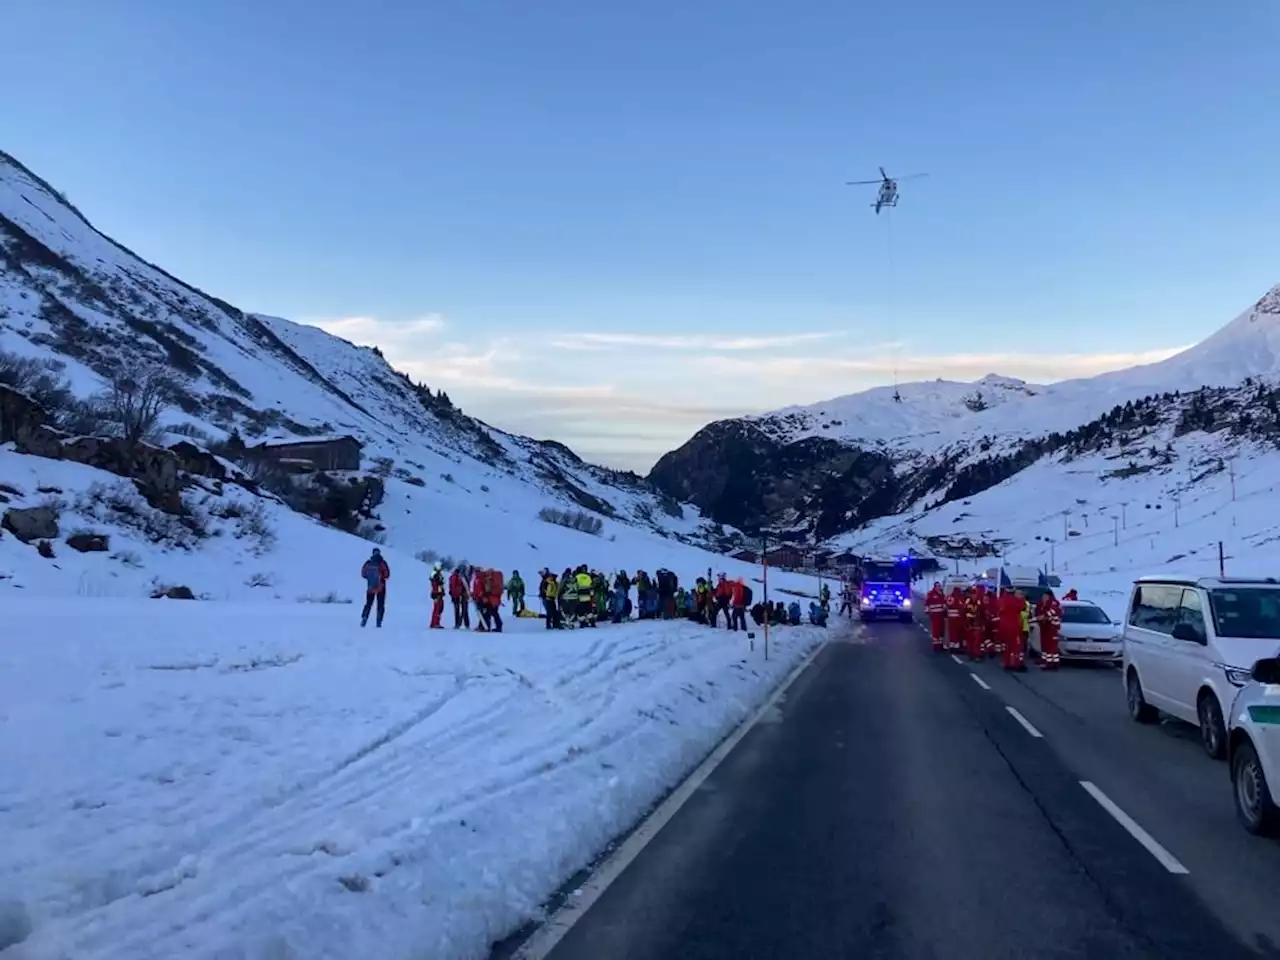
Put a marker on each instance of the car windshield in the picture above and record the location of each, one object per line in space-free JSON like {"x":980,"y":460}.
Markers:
{"x":1250,"y":612}
{"x":884,"y":573}
{"x":1089,"y":614}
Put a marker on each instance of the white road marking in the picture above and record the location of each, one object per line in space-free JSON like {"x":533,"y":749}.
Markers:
{"x":1026,"y":724}
{"x":957,"y":660}
{"x":979,"y":681}
{"x":1167,"y":860}
{"x":544,"y":940}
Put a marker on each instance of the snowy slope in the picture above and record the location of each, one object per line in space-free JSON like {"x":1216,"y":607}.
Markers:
{"x":70,"y":293}
{"x":1102,"y":519}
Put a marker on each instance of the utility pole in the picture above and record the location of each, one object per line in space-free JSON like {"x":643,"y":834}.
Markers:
{"x":1065,"y":515}
{"x":1115,"y":531}
{"x":1231,"y":472}
{"x":1176,"y":502}
{"x":1222,"y":561}
{"x":1124,"y":514}
{"x":764,"y":560}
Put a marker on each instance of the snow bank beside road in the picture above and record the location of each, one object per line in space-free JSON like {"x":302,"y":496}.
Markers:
{"x":252,"y":780}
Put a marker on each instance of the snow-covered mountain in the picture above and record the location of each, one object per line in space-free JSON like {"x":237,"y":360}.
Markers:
{"x":80,"y":306}
{"x":828,"y":467}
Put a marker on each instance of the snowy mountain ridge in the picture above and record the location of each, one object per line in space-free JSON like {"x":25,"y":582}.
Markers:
{"x":71,"y":294}
{"x":824,"y":469}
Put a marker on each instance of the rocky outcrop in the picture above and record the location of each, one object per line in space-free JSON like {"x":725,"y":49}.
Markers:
{"x":32,"y":523}
{"x":199,"y":461}
{"x":739,"y":475}
{"x":89,"y":542}
{"x":154,"y":470}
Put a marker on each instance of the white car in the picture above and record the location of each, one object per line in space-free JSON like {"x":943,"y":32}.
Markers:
{"x":1087,"y":633}
{"x":1190,"y":644}
{"x":1254,"y":750}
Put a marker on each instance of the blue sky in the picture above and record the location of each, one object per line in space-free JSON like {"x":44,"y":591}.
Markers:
{"x":609,"y":222}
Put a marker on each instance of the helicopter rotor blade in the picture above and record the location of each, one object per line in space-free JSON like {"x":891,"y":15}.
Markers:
{"x":859,"y":183}
{"x":883,"y":175}
{"x":912,"y":176}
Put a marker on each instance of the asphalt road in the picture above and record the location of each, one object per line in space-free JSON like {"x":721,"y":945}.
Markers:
{"x":892,"y":807}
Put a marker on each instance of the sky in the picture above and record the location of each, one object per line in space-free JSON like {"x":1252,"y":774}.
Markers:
{"x":609,"y":223}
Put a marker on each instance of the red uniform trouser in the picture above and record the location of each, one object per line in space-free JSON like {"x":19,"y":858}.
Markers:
{"x":977,"y":630}
{"x":995,"y":645}
{"x":437,"y":608}
{"x":1049,"y":656}
{"x":1014,"y":649}
{"x":955,"y":633}
{"x":937,"y":628}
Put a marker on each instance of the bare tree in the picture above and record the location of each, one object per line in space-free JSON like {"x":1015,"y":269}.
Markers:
{"x":137,"y":397}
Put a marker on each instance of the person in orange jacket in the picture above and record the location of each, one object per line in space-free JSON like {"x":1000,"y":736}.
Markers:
{"x":1071,"y":595}
{"x":935,"y":605}
{"x":738,"y":597}
{"x":975,"y":612}
{"x":461,"y":601}
{"x":993,"y":646}
{"x":478,"y":595}
{"x":1049,"y":616}
{"x":437,"y":596}
{"x":1010,"y":627}
{"x":723,"y":597}
{"x":955,"y":620}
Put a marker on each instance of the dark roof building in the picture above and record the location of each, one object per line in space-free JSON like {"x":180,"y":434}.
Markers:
{"x":328,"y":453}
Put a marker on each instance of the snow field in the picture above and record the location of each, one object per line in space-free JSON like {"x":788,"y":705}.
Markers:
{"x":268,"y":780}
{"x":1108,"y":531}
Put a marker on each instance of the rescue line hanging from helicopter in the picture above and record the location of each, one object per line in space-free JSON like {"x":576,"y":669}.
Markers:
{"x":888,"y":195}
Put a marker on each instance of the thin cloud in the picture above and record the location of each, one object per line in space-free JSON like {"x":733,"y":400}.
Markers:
{"x":680,"y":341}
{"x":962,"y":366}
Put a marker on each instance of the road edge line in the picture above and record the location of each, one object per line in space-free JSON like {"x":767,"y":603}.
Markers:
{"x":979,"y":681}
{"x":556,"y":927}
{"x":957,"y":660}
{"x":1152,"y":845}
{"x":1026,"y":724}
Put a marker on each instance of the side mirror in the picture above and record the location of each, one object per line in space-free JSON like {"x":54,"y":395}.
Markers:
{"x":1184,"y":631}
{"x":1267,"y":671}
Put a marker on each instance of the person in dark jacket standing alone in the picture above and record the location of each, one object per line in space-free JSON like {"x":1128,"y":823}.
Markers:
{"x":376,"y":573}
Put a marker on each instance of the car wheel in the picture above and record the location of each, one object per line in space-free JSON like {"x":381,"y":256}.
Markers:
{"x":1139,"y":709}
{"x":1257,"y":812}
{"x":1213,"y":732}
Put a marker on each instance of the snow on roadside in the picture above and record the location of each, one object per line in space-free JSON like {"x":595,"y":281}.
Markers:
{"x":260,"y":780}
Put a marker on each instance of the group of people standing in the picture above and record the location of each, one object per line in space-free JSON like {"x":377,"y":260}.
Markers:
{"x":986,"y":624}
{"x":582,"y":597}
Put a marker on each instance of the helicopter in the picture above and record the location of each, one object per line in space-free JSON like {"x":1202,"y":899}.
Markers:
{"x":888,"y":195}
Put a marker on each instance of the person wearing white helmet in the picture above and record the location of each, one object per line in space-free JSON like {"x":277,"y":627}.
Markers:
{"x":437,"y":595}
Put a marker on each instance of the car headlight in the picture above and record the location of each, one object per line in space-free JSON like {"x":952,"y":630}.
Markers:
{"x":906,"y":603}
{"x":866,"y":601}
{"x":1237,"y":676}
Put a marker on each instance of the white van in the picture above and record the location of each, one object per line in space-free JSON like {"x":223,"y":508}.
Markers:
{"x":1190,"y":644}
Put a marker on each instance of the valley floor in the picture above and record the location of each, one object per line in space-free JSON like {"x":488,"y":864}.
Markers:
{"x":264,"y":780}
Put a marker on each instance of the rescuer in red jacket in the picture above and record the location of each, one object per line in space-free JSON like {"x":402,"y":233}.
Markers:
{"x":437,"y":596}
{"x":1049,"y":615}
{"x":993,"y":644}
{"x":935,"y":605}
{"x":1011,"y":608}
{"x":955,"y":619}
{"x":976,"y":617}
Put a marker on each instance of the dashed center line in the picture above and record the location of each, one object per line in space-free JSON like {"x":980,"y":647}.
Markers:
{"x":1167,"y":860}
{"x":980,"y":682}
{"x":957,"y":660}
{"x":1026,"y":724}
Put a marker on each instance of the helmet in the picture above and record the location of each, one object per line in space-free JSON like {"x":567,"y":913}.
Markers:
{"x":438,"y":566}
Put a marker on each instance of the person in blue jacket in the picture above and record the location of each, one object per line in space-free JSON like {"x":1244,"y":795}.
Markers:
{"x":793,"y":613}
